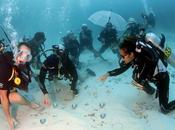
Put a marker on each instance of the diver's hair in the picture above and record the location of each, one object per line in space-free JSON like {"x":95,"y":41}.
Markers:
{"x":128,"y":44}
{"x":25,"y":44}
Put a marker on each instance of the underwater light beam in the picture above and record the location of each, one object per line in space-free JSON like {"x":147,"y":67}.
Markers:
{"x":145,"y":5}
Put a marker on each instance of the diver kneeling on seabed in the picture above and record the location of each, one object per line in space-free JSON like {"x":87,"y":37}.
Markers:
{"x":56,"y":66}
{"x":149,"y":66}
{"x":15,"y":73}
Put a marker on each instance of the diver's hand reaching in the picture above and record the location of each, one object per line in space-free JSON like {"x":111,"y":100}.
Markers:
{"x":11,"y":123}
{"x":46,"y":100}
{"x":104,"y":77}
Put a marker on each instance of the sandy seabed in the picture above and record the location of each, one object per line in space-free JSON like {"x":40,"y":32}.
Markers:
{"x":111,"y":105}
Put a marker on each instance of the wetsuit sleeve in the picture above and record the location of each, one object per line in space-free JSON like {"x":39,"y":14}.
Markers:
{"x":120,"y":70}
{"x":42,"y":77}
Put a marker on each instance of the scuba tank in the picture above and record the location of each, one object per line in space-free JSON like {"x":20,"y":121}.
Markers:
{"x":168,"y":55}
{"x":58,"y":50}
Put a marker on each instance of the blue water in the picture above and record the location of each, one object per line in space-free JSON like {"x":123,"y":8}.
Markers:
{"x":55,"y":17}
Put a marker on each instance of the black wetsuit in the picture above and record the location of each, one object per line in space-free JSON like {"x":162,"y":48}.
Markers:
{"x":149,"y":19}
{"x":72,"y":47}
{"x":132,"y":30}
{"x":123,"y":67}
{"x":8,"y":73}
{"x":36,"y":49}
{"x":149,"y":67}
{"x":107,"y":37}
{"x":152,"y":68}
{"x":86,"y":40}
{"x":51,"y":67}
{"x":118,"y":71}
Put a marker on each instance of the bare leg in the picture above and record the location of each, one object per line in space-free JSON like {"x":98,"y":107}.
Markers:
{"x":15,"y":97}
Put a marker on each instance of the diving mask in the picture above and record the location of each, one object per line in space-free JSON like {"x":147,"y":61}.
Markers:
{"x":24,"y":56}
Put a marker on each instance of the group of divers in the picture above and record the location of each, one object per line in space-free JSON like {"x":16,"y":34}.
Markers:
{"x":144,"y":51}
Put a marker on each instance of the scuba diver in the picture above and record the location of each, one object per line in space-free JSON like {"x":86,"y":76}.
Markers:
{"x":149,"y":20}
{"x":133,"y":28}
{"x":150,"y":68}
{"x":72,"y":47}
{"x":147,"y":38}
{"x":26,"y":38}
{"x":56,"y":67}
{"x":145,"y":86}
{"x":15,"y":73}
{"x":37,"y":46}
{"x":108,"y":38}
{"x":86,"y":40}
